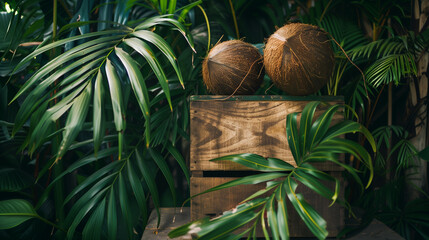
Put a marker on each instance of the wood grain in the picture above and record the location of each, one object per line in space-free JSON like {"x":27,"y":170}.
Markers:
{"x":220,"y":128}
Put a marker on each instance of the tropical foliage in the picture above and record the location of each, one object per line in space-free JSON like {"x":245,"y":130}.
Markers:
{"x":94,"y":110}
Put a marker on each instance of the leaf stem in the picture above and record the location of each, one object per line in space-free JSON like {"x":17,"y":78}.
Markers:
{"x":50,"y":223}
{"x":235,"y":19}
{"x":208,"y":27}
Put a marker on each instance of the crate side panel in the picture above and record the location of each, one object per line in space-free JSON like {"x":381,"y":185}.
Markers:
{"x":220,"y":128}
{"x":215,"y":203}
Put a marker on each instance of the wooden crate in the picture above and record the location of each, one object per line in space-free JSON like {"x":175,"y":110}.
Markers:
{"x":247,"y":124}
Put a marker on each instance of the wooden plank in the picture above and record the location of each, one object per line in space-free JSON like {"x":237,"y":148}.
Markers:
{"x":215,"y":203}
{"x":266,"y":98}
{"x":220,"y":128}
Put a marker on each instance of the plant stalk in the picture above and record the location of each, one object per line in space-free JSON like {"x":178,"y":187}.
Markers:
{"x":235,"y":20}
{"x":208,"y":27}
{"x":54,"y":21}
{"x":389,"y":123}
{"x":58,"y":168}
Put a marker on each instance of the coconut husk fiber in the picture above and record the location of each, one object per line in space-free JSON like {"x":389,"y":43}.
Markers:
{"x":299,"y":59}
{"x":233,"y":67}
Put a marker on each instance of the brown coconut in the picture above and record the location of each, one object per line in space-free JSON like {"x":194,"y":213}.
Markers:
{"x":299,"y":59}
{"x":233,"y":67}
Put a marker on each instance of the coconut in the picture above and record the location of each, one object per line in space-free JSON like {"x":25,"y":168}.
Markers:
{"x":299,"y":59}
{"x":233,"y":67}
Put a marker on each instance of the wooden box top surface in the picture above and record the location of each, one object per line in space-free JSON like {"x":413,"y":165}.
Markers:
{"x":222,"y":126}
{"x":266,"y":98}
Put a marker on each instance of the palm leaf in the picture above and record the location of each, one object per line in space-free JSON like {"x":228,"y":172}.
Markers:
{"x":270,"y":186}
{"x":117,"y":102}
{"x":54,"y":63}
{"x":282,"y":217}
{"x":104,"y":14}
{"x":252,"y":179}
{"x":391,"y":68}
{"x":304,"y":131}
{"x":348,"y":126}
{"x":257,"y":162}
{"x":314,"y":183}
{"x":189,"y":227}
{"x":75,"y":68}
{"x":311,"y":218}
{"x":168,"y":22}
{"x":82,"y":207}
{"x":347,"y":33}
{"x":92,"y":229}
{"x":98,"y":180}
{"x":385,"y":47}
{"x":137,"y":188}
{"x":14,"y":212}
{"x":147,"y":53}
{"x":222,"y":226}
{"x":172,"y":6}
{"x":40,"y":90}
{"x":149,"y":178}
{"x":264,"y":227}
{"x":136,"y":79}
{"x":138,"y":86}
{"x":163,"y":6}
{"x":162,"y":165}
{"x":125,"y":205}
{"x":232,"y":220}
{"x":122,"y":12}
{"x":321,"y":125}
{"x":163,"y":46}
{"x":75,"y":120}
{"x":13,"y":180}
{"x":179,"y":158}
{"x":293,"y":137}
{"x":272,"y":217}
{"x":98,"y":112}
{"x":112,"y":219}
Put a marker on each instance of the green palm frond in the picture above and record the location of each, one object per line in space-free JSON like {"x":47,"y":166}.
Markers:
{"x":21,"y":29}
{"x":379,"y":48}
{"x":391,"y":68}
{"x":358,"y":96}
{"x":394,"y":60}
{"x":314,"y":141}
{"x":394,"y":138}
{"x":346,"y":33}
{"x":118,"y":190}
{"x":416,"y":214}
{"x":16,"y":211}
{"x":98,"y":60}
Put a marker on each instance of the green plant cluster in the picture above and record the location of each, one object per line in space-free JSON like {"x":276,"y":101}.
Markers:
{"x":94,"y":113}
